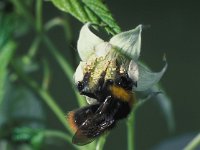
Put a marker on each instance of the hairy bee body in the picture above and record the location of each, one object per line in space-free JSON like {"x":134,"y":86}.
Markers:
{"x":113,"y":100}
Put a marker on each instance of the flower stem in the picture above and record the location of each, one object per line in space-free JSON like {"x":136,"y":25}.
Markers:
{"x":62,"y":22}
{"x":34,"y":47}
{"x":130,"y":131}
{"x":22,"y":9}
{"x":46,"y":75}
{"x":52,"y":133}
{"x":39,"y":15}
{"x":194,"y":143}
{"x":101,"y":142}
{"x":64,"y":65}
{"x":44,"y":95}
{"x":58,"y":135}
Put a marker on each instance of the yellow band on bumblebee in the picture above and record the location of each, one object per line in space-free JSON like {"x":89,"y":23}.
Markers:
{"x":121,"y":93}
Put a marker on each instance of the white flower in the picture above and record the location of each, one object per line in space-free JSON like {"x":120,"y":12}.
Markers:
{"x":123,"y":48}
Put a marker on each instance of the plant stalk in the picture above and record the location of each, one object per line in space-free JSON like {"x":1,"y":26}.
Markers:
{"x":64,"y":65}
{"x":130,"y":131}
{"x":194,"y":143}
{"x":46,"y":97}
{"x":39,"y":15}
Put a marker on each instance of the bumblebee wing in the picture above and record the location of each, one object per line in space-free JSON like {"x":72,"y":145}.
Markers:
{"x":91,"y":129}
{"x":95,"y":125}
{"x":82,"y":136}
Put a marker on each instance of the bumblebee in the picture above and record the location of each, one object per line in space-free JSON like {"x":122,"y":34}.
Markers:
{"x":107,"y":76}
{"x":111,"y":99}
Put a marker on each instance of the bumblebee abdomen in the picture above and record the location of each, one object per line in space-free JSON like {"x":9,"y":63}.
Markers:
{"x":71,"y":121}
{"x":77,"y":117}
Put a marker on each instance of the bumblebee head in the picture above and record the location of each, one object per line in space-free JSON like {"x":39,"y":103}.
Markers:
{"x":125,"y":82}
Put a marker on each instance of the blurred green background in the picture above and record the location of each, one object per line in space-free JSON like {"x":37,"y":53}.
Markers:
{"x":173,"y":28}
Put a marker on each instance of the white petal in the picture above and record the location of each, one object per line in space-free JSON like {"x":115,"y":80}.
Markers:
{"x":148,"y":79}
{"x":133,"y":72}
{"x":78,"y":75}
{"x":102,"y":49}
{"x":129,"y":42}
{"x":87,"y":42}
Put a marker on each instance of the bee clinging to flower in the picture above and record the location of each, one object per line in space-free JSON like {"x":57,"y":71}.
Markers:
{"x":108,"y":76}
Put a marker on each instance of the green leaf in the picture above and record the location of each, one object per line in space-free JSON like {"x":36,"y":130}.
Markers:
{"x":6,"y":53}
{"x":6,"y":28}
{"x":21,"y":107}
{"x":11,"y":25}
{"x":101,"y":11}
{"x":89,"y":11}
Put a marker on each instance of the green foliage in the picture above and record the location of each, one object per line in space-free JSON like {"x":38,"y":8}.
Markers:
{"x":20,"y":107}
{"x":89,"y":11}
{"x":5,"y":29}
{"x":34,"y":136}
{"x":23,"y":134}
{"x":10,"y":25}
{"x":6,"y":53}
